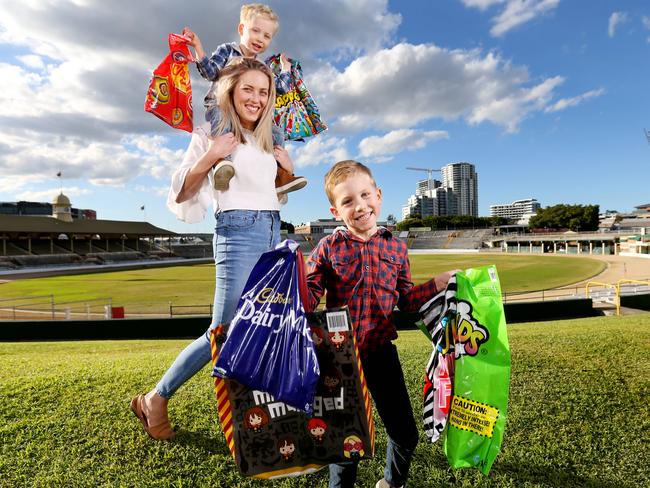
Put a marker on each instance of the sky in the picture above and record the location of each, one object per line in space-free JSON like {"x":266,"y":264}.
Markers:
{"x":548,"y":99}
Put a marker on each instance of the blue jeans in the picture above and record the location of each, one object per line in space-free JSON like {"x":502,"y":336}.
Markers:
{"x":385,"y":381}
{"x":240,"y":238}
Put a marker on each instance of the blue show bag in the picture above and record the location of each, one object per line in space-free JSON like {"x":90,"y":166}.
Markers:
{"x":269,"y":345}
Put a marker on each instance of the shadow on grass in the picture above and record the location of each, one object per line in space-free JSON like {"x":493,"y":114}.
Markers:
{"x":199,"y":440}
{"x":535,"y":474}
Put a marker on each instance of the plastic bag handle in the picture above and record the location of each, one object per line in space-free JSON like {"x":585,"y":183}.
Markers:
{"x":302,"y":281}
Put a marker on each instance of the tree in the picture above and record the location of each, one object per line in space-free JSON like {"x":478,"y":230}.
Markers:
{"x":574,"y":217}
{"x":288,"y":226}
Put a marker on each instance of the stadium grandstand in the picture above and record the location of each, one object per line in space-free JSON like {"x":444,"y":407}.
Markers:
{"x":61,"y":240}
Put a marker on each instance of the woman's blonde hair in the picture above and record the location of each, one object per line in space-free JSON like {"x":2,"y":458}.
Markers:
{"x":228,"y":79}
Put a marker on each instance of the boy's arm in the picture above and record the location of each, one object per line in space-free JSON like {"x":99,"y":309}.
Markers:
{"x":283,"y":82}
{"x":283,"y":78}
{"x":210,"y":67}
{"x":412,"y":297}
{"x":316,"y":276}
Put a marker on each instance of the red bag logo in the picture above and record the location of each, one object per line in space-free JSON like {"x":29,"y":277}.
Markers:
{"x":169,"y":96}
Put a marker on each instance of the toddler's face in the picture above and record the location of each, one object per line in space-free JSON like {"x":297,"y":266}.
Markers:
{"x":256,"y":35}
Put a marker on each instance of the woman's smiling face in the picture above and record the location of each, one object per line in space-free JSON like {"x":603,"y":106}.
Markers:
{"x":250,"y":97}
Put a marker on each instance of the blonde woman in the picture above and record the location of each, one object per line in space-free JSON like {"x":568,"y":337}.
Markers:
{"x":247,"y":213}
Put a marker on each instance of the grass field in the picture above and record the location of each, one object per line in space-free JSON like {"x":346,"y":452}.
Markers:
{"x":578,"y":415}
{"x":194,"y":285}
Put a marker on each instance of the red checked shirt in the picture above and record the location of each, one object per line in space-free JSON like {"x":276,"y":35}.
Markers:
{"x":371,"y":277}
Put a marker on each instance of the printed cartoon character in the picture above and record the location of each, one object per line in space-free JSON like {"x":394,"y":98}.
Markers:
{"x":331,"y":379}
{"x":338,"y":339}
{"x":286,"y":447}
{"x":317,"y":336}
{"x":317,"y":429}
{"x":255,"y":419}
{"x":353,"y":447}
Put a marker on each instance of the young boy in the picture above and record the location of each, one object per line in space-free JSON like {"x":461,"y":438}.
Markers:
{"x":366,"y":268}
{"x":257,"y":26}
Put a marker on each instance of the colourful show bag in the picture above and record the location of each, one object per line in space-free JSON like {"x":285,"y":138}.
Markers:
{"x":296,"y":112}
{"x":468,"y":375}
{"x":269,"y":439}
{"x":169,"y":96}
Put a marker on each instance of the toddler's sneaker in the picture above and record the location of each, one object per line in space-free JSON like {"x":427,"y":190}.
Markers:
{"x":223,"y":173}
{"x":382,"y":483}
{"x":285,"y":182}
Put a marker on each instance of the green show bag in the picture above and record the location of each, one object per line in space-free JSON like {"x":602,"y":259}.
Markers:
{"x":479,"y":404}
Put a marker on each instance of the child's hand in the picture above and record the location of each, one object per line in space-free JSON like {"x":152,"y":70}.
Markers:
{"x":222,"y":146}
{"x":282,"y":157}
{"x":442,"y":279}
{"x":284,"y":61}
{"x":195,"y":42}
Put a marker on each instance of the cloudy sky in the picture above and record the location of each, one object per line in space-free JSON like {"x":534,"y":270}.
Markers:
{"x":548,"y":98}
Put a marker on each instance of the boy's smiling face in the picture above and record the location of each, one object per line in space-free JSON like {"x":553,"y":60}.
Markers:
{"x":357,"y":202}
{"x":256,"y":35}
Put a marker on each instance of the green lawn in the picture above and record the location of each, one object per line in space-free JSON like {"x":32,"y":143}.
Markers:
{"x":194,"y":285}
{"x":578,"y":414}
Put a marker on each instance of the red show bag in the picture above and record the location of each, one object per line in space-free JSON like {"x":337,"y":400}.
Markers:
{"x":268,"y":439}
{"x":169,"y":96}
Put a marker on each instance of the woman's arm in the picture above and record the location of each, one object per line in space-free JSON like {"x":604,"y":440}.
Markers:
{"x":218,"y":148}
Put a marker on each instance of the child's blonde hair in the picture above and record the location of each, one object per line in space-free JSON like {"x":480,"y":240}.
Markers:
{"x":340,"y":172}
{"x":251,"y":10}
{"x":230,"y":122}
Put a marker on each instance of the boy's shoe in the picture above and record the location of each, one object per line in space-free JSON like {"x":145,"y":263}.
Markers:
{"x":382,"y":483}
{"x":223,"y":173}
{"x":285,"y":182}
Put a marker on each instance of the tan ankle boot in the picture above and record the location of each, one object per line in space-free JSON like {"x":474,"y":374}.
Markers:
{"x":285,"y":182}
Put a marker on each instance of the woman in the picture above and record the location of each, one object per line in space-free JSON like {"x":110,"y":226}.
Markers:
{"x":247,"y":213}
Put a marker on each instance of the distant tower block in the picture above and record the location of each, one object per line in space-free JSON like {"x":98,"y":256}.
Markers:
{"x":61,"y":208}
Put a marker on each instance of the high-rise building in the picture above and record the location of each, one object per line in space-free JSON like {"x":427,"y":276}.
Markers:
{"x":462,"y":179}
{"x":457,"y":194}
{"x":515,"y":210}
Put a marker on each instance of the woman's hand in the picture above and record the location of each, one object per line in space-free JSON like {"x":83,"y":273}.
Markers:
{"x":282,"y":157}
{"x":222,"y":146}
{"x":442,"y":279}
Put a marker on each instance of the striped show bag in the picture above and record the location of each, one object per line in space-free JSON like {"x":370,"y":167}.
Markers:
{"x":437,"y":322}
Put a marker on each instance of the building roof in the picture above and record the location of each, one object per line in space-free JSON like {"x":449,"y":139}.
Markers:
{"x":27,"y":224}
{"x":61,"y":199}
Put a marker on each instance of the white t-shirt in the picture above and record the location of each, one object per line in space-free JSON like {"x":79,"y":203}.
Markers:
{"x":252,"y":187}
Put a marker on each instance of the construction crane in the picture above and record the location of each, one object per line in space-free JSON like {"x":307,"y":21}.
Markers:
{"x":429,"y":171}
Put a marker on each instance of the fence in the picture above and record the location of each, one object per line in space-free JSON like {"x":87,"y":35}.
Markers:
{"x":46,"y":307}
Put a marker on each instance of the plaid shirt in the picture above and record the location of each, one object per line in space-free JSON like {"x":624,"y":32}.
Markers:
{"x":371,"y":277}
{"x":209,"y":68}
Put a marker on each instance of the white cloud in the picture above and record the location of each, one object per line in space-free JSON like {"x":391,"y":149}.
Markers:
{"x":481,"y":4}
{"x":515,"y":12}
{"x":49,"y":194}
{"x":32,"y":61}
{"x":321,"y":150}
{"x":408,"y":84}
{"x":160,"y":191}
{"x":573,"y":101}
{"x":398,"y":140}
{"x":616,"y":19}
{"x":646,"y":22}
{"x":73,"y":100}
